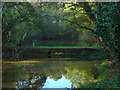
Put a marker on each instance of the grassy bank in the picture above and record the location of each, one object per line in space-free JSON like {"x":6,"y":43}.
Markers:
{"x":59,"y":47}
{"x":109,"y":77}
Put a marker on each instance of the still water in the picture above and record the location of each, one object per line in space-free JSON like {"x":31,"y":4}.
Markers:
{"x":48,"y":74}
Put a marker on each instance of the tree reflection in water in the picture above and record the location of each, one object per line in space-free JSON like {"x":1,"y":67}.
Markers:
{"x":32,"y":82}
{"x":35,"y":75}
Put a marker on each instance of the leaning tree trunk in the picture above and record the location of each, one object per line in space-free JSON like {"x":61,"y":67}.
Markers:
{"x":92,"y":17}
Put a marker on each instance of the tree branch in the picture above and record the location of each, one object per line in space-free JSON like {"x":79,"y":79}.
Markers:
{"x":71,"y":22}
{"x":88,"y":10}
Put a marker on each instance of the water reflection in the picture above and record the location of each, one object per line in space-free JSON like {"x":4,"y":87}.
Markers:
{"x":60,"y":83}
{"x":49,"y":74}
{"x":31,"y":82}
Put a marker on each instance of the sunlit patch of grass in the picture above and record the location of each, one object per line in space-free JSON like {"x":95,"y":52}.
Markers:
{"x":59,"y":47}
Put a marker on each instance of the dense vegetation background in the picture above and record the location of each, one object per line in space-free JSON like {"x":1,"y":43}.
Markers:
{"x":32,"y":24}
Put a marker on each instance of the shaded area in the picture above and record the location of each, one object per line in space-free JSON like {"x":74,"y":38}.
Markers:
{"x":52,"y":52}
{"x":73,"y":23}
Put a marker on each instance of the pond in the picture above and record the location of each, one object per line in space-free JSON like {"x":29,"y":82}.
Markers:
{"x":48,"y":74}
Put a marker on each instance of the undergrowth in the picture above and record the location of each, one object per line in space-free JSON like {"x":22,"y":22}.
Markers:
{"x":106,"y":79}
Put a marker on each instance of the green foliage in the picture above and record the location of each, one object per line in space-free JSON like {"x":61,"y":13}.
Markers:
{"x":19,"y":19}
{"x":107,"y":26}
{"x":103,"y":66}
{"x":23,"y":23}
{"x":103,"y":75}
{"x":103,"y":80}
{"x":104,"y":70}
{"x":27,"y":23}
{"x":108,"y":83}
{"x":106,"y":29}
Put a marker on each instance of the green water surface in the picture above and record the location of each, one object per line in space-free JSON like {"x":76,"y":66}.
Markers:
{"x":38,"y":73}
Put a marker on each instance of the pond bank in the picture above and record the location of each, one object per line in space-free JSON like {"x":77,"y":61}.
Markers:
{"x":52,"y":52}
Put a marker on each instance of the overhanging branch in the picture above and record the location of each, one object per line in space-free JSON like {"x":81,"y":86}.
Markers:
{"x":71,"y":22}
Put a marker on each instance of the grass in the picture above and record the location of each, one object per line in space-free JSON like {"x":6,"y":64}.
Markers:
{"x":110,"y":82}
{"x":106,"y":79}
{"x":64,"y":47}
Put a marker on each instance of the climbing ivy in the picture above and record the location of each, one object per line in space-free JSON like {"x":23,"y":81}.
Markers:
{"x":107,"y":26}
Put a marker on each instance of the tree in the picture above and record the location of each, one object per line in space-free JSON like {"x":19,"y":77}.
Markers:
{"x":102,"y":19}
{"x":19,"y":22}
{"x":105,"y":17}
{"x":107,"y":27}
